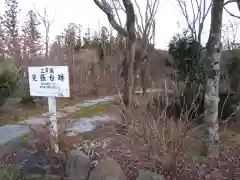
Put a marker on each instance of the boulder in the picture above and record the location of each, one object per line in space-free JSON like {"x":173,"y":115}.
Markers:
{"x":149,"y":175}
{"x":107,"y":169}
{"x":37,"y":163}
{"x":78,"y":165}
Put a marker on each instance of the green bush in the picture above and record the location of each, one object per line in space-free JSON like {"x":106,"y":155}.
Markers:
{"x":24,"y":91}
{"x":186,"y":53}
{"x":233,"y":69}
{"x":188,"y":63}
{"x":8,"y":80}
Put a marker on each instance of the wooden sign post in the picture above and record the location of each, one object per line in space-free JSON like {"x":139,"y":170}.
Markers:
{"x":51,"y":82}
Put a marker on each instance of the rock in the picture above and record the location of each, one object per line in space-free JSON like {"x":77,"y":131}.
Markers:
{"x":107,"y":169}
{"x":40,"y":177}
{"x":38,"y":163}
{"x":78,"y":166}
{"x":70,"y":133}
{"x":149,"y":175}
{"x":70,"y":109}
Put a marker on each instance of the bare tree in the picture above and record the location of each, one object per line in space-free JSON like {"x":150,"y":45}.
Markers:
{"x":230,"y":36}
{"x":47,"y":24}
{"x":78,"y":37}
{"x":70,"y":40}
{"x":57,"y":49}
{"x":70,"y":36}
{"x":195,"y":20}
{"x":233,"y":26}
{"x":145,"y":21}
{"x":213,"y":77}
{"x":129,"y":32}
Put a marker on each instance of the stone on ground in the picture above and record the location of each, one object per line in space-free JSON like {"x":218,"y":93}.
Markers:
{"x":40,"y":177}
{"x":149,"y":175}
{"x":78,"y":166}
{"x":37,"y":163}
{"x":107,"y":169}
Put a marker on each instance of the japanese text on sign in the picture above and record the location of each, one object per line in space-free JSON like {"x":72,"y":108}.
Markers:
{"x":49,"y":81}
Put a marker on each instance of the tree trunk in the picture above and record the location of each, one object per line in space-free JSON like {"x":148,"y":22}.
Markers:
{"x":130,"y":55}
{"x":141,"y":70}
{"x":46,"y":43}
{"x":70,"y":67}
{"x":144,"y":74}
{"x":213,"y":77}
{"x":130,"y":34}
{"x":136,"y":70}
{"x":128,"y":72}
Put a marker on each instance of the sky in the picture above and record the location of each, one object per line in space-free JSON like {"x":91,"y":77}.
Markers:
{"x":86,"y":13}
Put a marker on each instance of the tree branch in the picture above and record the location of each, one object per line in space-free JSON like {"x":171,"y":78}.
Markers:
{"x":130,"y":21}
{"x":148,"y":22}
{"x":140,"y":27}
{"x":238,"y":4}
{"x":199,"y":12}
{"x":230,"y":1}
{"x":116,"y":11}
{"x":231,"y":14}
{"x":46,"y":22}
{"x":183,"y":9}
{"x":106,"y":8}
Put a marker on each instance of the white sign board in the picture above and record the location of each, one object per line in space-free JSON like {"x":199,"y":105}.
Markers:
{"x":49,"y":81}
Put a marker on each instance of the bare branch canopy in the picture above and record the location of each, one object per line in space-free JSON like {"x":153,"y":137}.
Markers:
{"x":107,"y":9}
{"x":200,"y":10}
{"x":230,"y":13}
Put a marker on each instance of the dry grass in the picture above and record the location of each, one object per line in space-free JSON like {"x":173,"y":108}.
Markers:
{"x":167,"y":146}
{"x":14,"y":112}
{"x":84,"y":82}
{"x":163,"y":145}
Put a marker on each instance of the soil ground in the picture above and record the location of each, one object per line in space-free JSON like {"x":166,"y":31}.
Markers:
{"x":191,"y":163}
{"x":14,"y":112}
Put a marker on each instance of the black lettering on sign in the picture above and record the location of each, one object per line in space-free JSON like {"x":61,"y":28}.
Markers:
{"x":34,"y":77}
{"x":51,"y":77}
{"x":61,"y":77}
{"x":51,"y":70}
{"x":42,"y":77}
